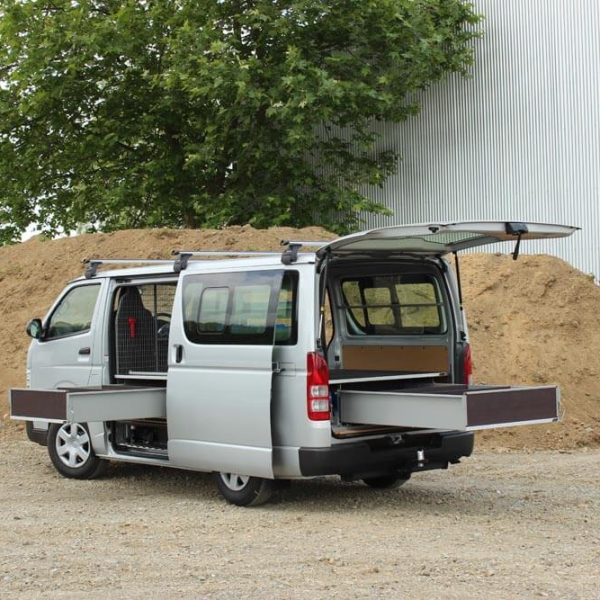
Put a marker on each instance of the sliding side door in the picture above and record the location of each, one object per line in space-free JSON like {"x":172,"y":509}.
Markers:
{"x":220,"y":371}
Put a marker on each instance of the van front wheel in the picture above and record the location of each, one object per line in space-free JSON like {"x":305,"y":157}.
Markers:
{"x":71,"y":452}
{"x":244,"y":490}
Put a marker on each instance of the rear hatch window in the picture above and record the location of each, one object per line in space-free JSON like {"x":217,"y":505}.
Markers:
{"x":393,"y":304}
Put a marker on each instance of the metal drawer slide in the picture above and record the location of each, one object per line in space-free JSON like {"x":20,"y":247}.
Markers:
{"x":451,"y":406}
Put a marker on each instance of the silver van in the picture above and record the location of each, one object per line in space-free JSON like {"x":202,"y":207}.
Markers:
{"x":351,"y":359}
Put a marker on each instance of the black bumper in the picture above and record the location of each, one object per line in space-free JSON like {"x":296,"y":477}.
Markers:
{"x":382,"y":456}
{"x":39,"y":436}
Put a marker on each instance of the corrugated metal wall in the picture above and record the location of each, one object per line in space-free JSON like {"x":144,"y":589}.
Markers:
{"x":520,"y":140}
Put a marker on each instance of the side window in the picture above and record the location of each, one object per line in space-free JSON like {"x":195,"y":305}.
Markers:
{"x":74,"y":313}
{"x":213,"y":310}
{"x":241,"y":308}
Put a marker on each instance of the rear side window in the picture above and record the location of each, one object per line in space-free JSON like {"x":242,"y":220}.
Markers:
{"x":74,"y":313}
{"x":393,"y":305}
{"x":256,"y":308}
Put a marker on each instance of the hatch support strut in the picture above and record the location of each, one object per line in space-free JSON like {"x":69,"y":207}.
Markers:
{"x":458,"y":284}
{"x":323,"y":268}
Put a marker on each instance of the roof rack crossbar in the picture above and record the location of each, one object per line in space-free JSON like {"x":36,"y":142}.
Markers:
{"x":92,"y":264}
{"x":225,"y":253}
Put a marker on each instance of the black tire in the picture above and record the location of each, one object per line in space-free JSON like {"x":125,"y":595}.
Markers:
{"x":244,"y":491}
{"x":71,"y":452}
{"x":387,"y":482}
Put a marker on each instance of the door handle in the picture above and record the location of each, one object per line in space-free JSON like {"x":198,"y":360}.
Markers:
{"x":85,"y":351}
{"x":178,"y":353}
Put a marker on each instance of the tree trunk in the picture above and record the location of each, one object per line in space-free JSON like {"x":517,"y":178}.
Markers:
{"x":190,"y":220}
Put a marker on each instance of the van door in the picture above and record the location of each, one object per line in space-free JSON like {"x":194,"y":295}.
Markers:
{"x":220,"y":371}
{"x":69,"y":353}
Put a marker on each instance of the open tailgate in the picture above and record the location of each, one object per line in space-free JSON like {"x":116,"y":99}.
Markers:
{"x":442,"y":238}
{"x":451,"y":406}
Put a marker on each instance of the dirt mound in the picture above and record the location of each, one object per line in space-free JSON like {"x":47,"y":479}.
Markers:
{"x":533,"y":321}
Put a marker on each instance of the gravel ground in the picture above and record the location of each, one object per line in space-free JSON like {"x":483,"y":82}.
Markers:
{"x":501,"y":525}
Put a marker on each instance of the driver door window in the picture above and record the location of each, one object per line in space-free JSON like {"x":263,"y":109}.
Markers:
{"x":74,"y":313}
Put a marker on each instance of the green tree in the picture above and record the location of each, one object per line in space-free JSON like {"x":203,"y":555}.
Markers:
{"x":209,"y":112}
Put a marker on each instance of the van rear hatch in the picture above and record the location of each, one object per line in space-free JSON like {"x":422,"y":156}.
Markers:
{"x":446,"y":406}
{"x":443,"y":238}
{"x":450,"y":406}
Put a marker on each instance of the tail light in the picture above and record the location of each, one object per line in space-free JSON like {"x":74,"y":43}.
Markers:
{"x":317,"y":387}
{"x":468,"y":365}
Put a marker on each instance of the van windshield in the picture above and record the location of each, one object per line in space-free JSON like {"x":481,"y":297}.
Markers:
{"x":393,"y":304}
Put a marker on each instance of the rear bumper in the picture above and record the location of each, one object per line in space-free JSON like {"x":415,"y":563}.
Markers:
{"x":381,"y":456}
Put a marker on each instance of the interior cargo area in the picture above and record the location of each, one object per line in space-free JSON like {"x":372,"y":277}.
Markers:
{"x":142,"y":318}
{"x":389,"y":327}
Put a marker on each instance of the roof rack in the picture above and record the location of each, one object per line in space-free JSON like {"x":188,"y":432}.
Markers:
{"x":182,"y":257}
{"x":290,"y":254}
{"x":92,"y":264}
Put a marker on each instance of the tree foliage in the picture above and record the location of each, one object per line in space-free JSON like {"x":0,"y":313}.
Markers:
{"x":209,"y":112}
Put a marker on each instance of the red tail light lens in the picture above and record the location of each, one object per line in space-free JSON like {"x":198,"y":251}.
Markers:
{"x":317,"y":387}
{"x":468,"y":365}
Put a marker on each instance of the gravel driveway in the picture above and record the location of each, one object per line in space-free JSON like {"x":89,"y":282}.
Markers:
{"x":498,"y":526}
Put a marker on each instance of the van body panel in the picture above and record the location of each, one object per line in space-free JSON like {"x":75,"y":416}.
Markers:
{"x":291,"y":426}
{"x":71,"y":360}
{"x":286,"y":462}
{"x":222,"y":457}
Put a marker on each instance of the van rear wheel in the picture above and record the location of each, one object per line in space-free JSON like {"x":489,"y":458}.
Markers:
{"x":71,"y":452}
{"x":387,"y":482}
{"x":244,"y":490}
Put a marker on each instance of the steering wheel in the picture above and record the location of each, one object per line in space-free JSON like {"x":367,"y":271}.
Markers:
{"x":163,"y":322}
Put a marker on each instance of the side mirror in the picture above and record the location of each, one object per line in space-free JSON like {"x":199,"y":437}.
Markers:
{"x":34,"y":329}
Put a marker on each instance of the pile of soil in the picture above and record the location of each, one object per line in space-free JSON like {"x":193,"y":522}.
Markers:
{"x":533,"y":321}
